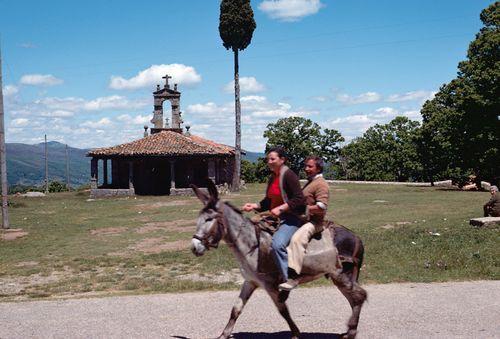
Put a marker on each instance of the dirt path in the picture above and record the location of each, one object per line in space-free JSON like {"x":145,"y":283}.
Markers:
{"x":445,"y":310}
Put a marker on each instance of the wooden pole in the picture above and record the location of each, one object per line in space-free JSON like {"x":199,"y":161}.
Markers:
{"x":46,"y":168}
{"x":3,"y":161}
{"x":67,"y":169}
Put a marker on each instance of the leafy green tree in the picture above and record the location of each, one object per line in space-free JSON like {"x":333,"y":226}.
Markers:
{"x":236,"y":26}
{"x":56,"y":186}
{"x":248,"y":171}
{"x":461,"y":127}
{"x":385,"y":152}
{"x":302,"y":137}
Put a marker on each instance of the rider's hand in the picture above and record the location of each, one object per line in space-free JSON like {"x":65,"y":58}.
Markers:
{"x":249,"y":207}
{"x":276,"y":211}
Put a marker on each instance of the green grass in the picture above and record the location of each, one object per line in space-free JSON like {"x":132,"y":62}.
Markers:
{"x":62,"y":257}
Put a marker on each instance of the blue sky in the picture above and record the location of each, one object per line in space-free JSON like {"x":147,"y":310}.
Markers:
{"x":83,"y":72}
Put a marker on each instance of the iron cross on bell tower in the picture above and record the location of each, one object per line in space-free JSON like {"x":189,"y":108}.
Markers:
{"x":166,"y":77}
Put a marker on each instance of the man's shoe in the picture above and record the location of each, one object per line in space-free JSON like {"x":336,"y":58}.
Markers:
{"x":289,"y":285}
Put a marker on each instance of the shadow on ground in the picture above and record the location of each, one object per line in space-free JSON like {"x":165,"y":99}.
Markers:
{"x":285,"y":335}
{"x":277,"y":335}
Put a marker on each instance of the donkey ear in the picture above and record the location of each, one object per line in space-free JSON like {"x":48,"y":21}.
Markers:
{"x":200,"y":194}
{"x":212,"y":189}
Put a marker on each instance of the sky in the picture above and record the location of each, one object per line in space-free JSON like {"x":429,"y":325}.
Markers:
{"x":83,"y":72}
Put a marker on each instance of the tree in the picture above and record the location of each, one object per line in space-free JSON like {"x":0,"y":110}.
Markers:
{"x":302,"y":137}
{"x":461,"y":129}
{"x":236,"y":26}
{"x":385,"y":152}
{"x":3,"y":162}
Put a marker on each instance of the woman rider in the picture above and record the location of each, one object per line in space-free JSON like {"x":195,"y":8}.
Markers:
{"x":284,"y":199}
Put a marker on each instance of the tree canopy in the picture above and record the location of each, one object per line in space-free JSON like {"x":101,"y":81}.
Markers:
{"x":236,"y":24}
{"x":302,"y":137}
{"x":461,"y":127}
{"x":384,"y":152}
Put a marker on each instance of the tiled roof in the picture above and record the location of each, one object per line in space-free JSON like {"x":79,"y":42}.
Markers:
{"x":165,"y":143}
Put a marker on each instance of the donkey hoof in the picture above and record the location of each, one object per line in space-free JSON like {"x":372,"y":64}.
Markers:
{"x":351,"y":334}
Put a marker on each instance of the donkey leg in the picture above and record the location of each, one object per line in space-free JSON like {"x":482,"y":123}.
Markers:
{"x":245,"y":294}
{"x":356,"y":297}
{"x":283,"y":309}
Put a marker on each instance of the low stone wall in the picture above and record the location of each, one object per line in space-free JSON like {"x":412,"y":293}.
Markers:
{"x":418,"y":184}
{"x":184,"y":191}
{"x":111,"y":192}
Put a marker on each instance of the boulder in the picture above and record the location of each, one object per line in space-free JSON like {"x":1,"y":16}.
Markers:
{"x":485,"y":185}
{"x":485,"y":222}
{"x":33,"y":194}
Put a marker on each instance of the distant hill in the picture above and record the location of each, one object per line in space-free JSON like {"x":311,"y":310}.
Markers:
{"x":26,"y":164}
{"x":253,"y":156}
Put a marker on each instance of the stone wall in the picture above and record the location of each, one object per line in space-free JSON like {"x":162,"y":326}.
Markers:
{"x":111,"y":192}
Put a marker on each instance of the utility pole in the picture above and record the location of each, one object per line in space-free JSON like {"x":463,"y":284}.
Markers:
{"x":67,"y":169}
{"x":3,"y":162}
{"x":46,"y":168}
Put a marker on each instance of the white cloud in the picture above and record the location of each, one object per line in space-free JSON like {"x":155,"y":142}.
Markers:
{"x":112,"y":102}
{"x":20,"y":122}
{"x":363,"y":98}
{"x":68,"y":103}
{"x":98,"y":104}
{"x":247,"y":85}
{"x":321,"y":98}
{"x":385,"y":112}
{"x":58,"y":114}
{"x":104,"y":122}
{"x":40,"y":80}
{"x":256,"y":98}
{"x":181,"y":74}
{"x":10,"y":90}
{"x":207,"y":108}
{"x":290,"y":10}
{"x":355,"y":125}
{"x":136,"y":120}
{"x":409,"y":96}
{"x":413,"y":115}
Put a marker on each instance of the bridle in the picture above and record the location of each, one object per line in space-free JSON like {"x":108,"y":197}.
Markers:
{"x":216,"y":232}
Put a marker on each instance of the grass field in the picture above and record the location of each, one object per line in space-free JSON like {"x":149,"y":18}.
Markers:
{"x":76,"y":246}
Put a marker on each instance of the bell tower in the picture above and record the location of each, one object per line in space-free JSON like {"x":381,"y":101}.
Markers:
{"x":160,"y":96}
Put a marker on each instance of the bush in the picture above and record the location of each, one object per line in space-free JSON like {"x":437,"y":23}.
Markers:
{"x":56,"y":186}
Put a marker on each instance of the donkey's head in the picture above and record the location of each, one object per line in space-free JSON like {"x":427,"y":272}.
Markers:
{"x":209,"y":226}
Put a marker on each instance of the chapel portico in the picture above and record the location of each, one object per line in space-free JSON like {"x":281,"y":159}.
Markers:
{"x":164,"y":162}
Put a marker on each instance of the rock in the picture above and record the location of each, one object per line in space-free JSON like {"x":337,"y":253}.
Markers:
{"x":445,"y":183}
{"x":485,"y":222}
{"x":33,"y":194}
{"x":485,"y":185}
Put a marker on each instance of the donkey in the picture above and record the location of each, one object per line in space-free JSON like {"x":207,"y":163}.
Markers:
{"x":220,"y":220}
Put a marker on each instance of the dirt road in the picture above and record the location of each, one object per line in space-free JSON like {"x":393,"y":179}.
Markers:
{"x":444,"y":310}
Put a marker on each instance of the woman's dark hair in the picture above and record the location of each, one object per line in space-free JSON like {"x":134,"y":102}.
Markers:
{"x":278,"y":150}
{"x":320,"y":164}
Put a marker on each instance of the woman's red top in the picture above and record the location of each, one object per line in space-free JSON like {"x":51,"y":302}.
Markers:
{"x":274,"y":193}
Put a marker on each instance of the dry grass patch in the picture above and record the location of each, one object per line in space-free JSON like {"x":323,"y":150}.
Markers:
{"x":233,"y":276}
{"x":160,"y":204}
{"x":108,"y":231}
{"x":159,"y":244}
{"x":395,"y":224}
{"x":176,"y":225}
{"x":13,"y":234}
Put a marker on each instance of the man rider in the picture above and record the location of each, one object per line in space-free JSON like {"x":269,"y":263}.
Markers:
{"x":316,"y":192}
